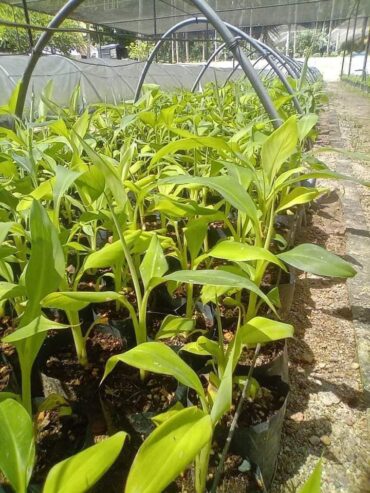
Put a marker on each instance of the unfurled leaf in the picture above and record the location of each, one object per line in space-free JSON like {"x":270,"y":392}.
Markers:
{"x":9,"y":290}
{"x":298,"y":196}
{"x":91,"y":183}
{"x":39,"y":325}
{"x":81,"y":471}
{"x":175,"y":208}
{"x":261,"y":330}
{"x":316,"y":260}
{"x":305,"y":125}
{"x":154,"y":263}
{"x":217,"y":278}
{"x":137,"y":241}
{"x":195,"y":233}
{"x":278,"y":147}
{"x":168,"y":450}
{"x":228,"y":187}
{"x":194,"y":142}
{"x":64,"y":179}
{"x":237,"y":252}
{"x":156,"y":357}
{"x":77,"y":300}
{"x":204,"y":346}
{"x":4,"y":230}
{"x":173,"y":325}
{"x":17,"y":454}
{"x":108,"y":167}
{"x":158,"y":419}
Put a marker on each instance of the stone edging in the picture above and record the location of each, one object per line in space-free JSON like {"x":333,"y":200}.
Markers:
{"x":358,"y":252}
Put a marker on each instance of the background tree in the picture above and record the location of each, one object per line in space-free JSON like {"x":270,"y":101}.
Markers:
{"x":140,"y":50}
{"x":13,"y":40}
{"x":309,"y":39}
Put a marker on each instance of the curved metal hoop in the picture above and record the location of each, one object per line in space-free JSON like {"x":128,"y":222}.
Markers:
{"x":257,"y":48}
{"x":205,"y":67}
{"x":45,"y":37}
{"x":224,"y":29}
{"x":232,"y":43}
{"x":240,"y":34}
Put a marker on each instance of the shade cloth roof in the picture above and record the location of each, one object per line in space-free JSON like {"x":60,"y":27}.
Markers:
{"x":156,"y":16}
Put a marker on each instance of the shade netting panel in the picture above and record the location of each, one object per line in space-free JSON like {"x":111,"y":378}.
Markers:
{"x":100,"y":80}
{"x":156,"y":16}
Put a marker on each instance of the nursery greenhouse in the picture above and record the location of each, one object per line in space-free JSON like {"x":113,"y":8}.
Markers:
{"x":184,"y":246}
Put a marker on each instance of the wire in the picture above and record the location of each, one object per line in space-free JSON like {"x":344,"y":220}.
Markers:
{"x":175,"y":7}
{"x":44,"y":28}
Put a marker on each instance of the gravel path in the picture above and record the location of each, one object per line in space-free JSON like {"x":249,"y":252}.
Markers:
{"x":326,"y":412}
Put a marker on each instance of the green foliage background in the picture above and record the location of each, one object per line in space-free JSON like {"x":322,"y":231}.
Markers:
{"x":14,"y":40}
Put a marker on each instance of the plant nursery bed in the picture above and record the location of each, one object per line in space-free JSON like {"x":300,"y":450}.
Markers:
{"x":144,"y":274}
{"x":327,"y":407}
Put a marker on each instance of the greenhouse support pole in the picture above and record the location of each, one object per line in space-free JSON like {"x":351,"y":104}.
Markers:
{"x":27,"y":17}
{"x":43,"y":40}
{"x":346,"y":41}
{"x":345,"y":47}
{"x":286,"y":62}
{"x":240,"y":56}
{"x":16,"y":30}
{"x":236,"y":66}
{"x":266,"y":52}
{"x":353,"y":38}
{"x":249,"y":71}
{"x":367,"y":49}
{"x":208,"y":63}
{"x":330,"y":26}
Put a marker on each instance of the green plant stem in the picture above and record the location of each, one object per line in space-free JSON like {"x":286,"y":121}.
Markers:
{"x":221,"y":364}
{"x":189,"y":300}
{"x":133,"y":316}
{"x":26,"y":384}
{"x":261,"y":267}
{"x":129,"y":260}
{"x":234,"y":423}
{"x":142,"y":318}
{"x":201,"y":468}
{"x":78,"y":338}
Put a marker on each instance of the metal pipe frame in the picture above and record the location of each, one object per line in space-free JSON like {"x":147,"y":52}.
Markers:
{"x":248,"y":68}
{"x":231,"y":43}
{"x":366,"y":56}
{"x":353,"y":37}
{"x":43,"y":40}
{"x":214,"y":54}
{"x":27,"y":17}
{"x":206,"y":65}
{"x":255,"y":44}
{"x":267,"y":54}
{"x":285,"y":61}
{"x":225,"y":30}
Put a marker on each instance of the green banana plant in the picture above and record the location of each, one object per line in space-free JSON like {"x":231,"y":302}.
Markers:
{"x":17,"y":456}
{"x":188,"y":432}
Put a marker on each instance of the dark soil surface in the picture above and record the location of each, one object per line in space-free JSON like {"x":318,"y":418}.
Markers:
{"x":239,"y":476}
{"x":267,"y":402}
{"x":58,"y":437}
{"x":81,"y":384}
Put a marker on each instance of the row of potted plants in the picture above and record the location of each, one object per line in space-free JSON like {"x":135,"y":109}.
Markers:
{"x":142,"y":250}
{"x":357,"y":81}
